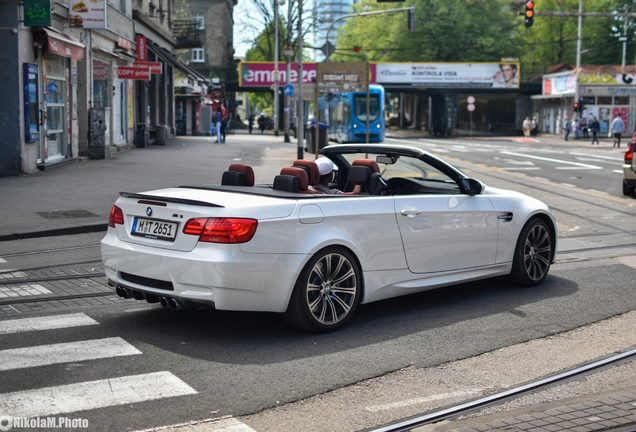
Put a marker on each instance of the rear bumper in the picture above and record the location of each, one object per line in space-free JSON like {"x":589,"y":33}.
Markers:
{"x":221,"y":275}
{"x":629,"y":176}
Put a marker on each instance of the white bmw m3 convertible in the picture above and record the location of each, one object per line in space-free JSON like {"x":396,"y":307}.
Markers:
{"x":404,"y":221}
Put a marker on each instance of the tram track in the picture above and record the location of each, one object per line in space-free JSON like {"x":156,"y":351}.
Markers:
{"x":455,"y":411}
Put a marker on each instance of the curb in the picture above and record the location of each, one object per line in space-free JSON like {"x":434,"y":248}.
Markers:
{"x":70,"y":230}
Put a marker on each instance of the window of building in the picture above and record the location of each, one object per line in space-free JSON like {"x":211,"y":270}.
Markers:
{"x":197,"y":55}
{"x":604,"y":100}
{"x":621,"y":100}
{"x":197,"y":19}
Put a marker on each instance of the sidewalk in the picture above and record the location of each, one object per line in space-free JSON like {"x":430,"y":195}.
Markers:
{"x":77,"y":198}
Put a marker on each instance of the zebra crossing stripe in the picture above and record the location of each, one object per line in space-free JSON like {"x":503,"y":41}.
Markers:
{"x":42,"y":355}
{"x":227,"y":424}
{"x":45,"y":323}
{"x":93,"y":394}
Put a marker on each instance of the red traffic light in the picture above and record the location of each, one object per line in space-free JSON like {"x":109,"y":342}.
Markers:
{"x":529,"y":14}
{"x":576,"y":106}
{"x":529,"y":5}
{"x":356,"y":49}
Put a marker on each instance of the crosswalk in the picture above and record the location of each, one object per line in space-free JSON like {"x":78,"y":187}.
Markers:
{"x":69,"y":398}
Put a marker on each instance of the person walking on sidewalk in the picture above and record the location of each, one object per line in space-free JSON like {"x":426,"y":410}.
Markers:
{"x":594,"y":127}
{"x":217,"y":124}
{"x":618,"y":129}
{"x":527,"y":126}
{"x":567,"y":128}
{"x":534,"y":127}
{"x":575,"y":129}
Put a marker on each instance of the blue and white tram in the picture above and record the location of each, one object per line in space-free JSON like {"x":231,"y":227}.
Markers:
{"x":348,"y":116}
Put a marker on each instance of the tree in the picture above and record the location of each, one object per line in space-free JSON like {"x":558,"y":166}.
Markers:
{"x":446,"y":31}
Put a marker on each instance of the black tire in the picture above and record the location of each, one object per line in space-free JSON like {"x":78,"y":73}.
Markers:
{"x":533,"y":254}
{"x":327,"y":292}
{"x":627,"y":189}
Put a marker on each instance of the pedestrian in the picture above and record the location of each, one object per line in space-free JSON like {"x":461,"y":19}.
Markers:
{"x":585,"y":129}
{"x":567,"y":128}
{"x":250,"y":123}
{"x":617,"y":129}
{"x":217,"y":124}
{"x":575,"y":129}
{"x":224,"y":121}
{"x":594,"y":127}
{"x":262,"y":123}
{"x":527,"y":126}
{"x":534,"y":131}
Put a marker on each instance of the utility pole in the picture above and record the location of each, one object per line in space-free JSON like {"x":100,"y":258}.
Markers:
{"x":579,"y":40}
{"x":301,"y":113}
{"x":276,"y":74}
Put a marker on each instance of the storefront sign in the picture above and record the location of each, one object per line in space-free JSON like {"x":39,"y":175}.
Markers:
{"x":565,"y":84}
{"x":31,"y":103}
{"x":618,"y":90}
{"x":60,"y":45}
{"x":340,"y":77}
{"x":123,"y":42}
{"x":261,"y":74}
{"x":87,"y":14}
{"x":37,"y":13}
{"x":501,"y":75}
{"x":142,"y":48}
{"x":127,"y":72}
{"x":155,"y":67}
{"x":604,"y":79}
{"x":100,"y":70}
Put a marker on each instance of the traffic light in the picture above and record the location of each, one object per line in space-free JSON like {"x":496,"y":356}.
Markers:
{"x":411,"y":18}
{"x":577,"y":107}
{"x":529,"y":15}
{"x":581,"y":105}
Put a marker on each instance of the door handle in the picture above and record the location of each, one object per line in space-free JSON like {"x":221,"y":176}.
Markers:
{"x":410,"y":212}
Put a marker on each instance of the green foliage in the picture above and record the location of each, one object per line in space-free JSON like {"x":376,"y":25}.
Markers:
{"x":446,"y":31}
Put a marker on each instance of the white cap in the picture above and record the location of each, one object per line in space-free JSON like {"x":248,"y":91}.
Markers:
{"x":325,"y":166}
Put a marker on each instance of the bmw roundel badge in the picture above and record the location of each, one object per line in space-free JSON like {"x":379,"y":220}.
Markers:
{"x":148,"y":211}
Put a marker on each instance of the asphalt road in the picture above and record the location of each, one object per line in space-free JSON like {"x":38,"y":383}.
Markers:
{"x":239,"y":364}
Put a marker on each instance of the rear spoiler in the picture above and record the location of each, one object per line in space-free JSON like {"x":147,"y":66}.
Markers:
{"x":167,"y":199}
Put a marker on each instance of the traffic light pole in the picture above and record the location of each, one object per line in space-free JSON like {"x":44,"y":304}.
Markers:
{"x":328,"y":53}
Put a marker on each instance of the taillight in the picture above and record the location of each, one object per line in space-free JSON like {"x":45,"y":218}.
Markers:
{"x":222,"y":230}
{"x":116,"y":217}
{"x":629,"y":154}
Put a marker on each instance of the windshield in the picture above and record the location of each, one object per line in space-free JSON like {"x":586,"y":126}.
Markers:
{"x":360,"y":106}
{"x":405,"y":167}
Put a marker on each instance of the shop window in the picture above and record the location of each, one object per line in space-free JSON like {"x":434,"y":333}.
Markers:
{"x":589,"y":100}
{"x":101,"y":77}
{"x":604,"y":100}
{"x":197,"y":55}
{"x":621,"y":100}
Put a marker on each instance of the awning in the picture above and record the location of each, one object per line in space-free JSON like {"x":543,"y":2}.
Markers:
{"x":64,"y":46}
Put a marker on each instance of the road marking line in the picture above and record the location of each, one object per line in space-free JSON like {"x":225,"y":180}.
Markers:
{"x":521,"y":168}
{"x":93,"y":394}
{"x":46,"y":323}
{"x":597,"y":156}
{"x":618,"y":171}
{"x":550,"y":160}
{"x":576,"y":168}
{"x":42,"y":355}
{"x":228,"y":424}
{"x":3,"y":261}
{"x":568,"y":184}
{"x":23,"y":290}
{"x":417,"y":401}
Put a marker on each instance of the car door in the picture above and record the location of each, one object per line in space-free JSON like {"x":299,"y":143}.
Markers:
{"x":447,"y":232}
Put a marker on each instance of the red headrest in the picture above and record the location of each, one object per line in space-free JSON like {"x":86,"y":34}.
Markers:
{"x":367,"y":162}
{"x":314,"y":174}
{"x":303,"y":182}
{"x":245,"y":169}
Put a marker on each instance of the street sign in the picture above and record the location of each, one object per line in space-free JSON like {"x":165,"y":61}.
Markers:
{"x":288,"y":89}
{"x":328,"y":48}
{"x":471,"y":107}
{"x":471,"y":99}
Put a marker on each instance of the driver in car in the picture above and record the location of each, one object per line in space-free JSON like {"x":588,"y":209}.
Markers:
{"x":325,"y":169}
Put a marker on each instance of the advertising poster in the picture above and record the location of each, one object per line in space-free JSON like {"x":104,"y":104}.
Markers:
{"x":90,"y":14}
{"x":499,"y":75}
{"x":604,"y":119}
{"x":622,"y":113}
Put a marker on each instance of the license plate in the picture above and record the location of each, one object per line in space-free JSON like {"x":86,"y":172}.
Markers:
{"x":154,"y":229}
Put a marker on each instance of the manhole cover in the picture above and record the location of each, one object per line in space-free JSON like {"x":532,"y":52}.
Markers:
{"x":66,"y":214}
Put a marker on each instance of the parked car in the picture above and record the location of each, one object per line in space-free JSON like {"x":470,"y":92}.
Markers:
{"x":414,"y":223}
{"x":629,"y":169}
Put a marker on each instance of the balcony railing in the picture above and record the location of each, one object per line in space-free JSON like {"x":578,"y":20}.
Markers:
{"x":187,"y":34}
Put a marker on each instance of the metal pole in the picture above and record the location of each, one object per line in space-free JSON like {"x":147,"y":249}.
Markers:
{"x":578,"y":53}
{"x":301,"y":115}
{"x":286,"y":128}
{"x":625,"y":42}
{"x":368,"y":102}
{"x":276,"y":74}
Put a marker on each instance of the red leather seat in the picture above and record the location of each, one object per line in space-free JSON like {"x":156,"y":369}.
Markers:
{"x":311,"y":168}
{"x":238,"y":175}
{"x":292,"y":179}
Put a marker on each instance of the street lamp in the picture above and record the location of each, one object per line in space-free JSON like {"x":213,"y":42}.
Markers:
{"x":276,"y":74}
{"x":288,"y":51}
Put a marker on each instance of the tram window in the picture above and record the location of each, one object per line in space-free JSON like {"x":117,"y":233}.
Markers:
{"x":360,"y":106}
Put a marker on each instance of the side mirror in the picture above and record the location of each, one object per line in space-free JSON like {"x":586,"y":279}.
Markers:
{"x":472,"y":186}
